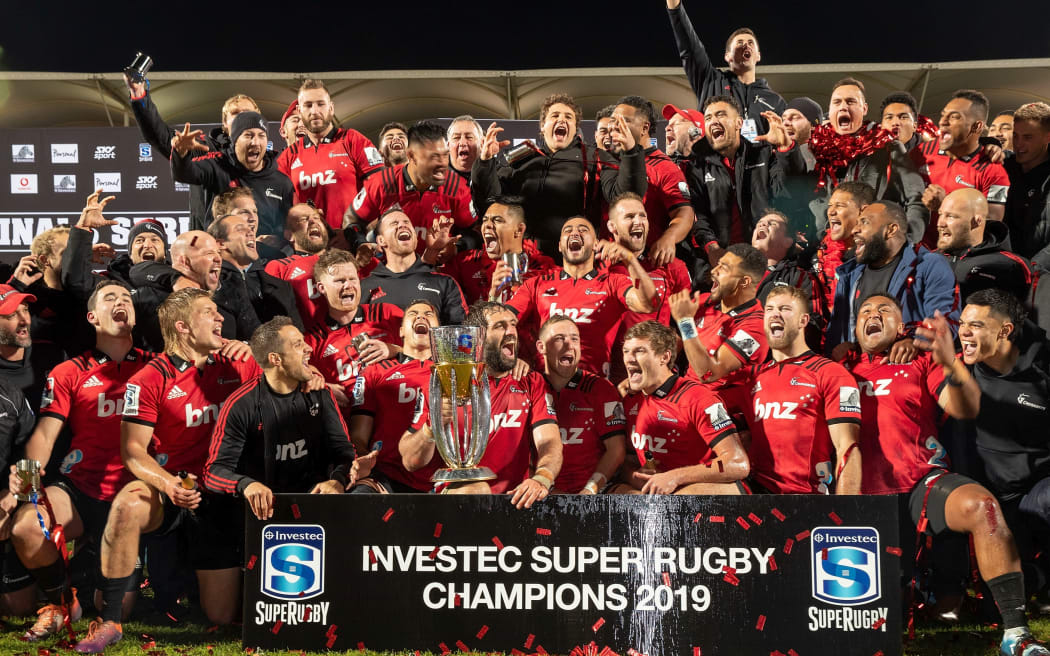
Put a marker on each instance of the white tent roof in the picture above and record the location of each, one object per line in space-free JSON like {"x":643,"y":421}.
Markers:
{"x":367,"y":99}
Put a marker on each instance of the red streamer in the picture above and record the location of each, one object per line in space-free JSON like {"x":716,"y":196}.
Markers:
{"x":834,"y":151}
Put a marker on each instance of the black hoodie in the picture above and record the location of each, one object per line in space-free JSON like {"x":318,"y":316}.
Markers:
{"x":991,"y":264}
{"x":419,"y":282}
{"x":218,"y":171}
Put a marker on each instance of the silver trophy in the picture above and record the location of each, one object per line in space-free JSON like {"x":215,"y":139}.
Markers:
{"x":29,"y":472}
{"x":519,"y":265}
{"x":458,"y":377}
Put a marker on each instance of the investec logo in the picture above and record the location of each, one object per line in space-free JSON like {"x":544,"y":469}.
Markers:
{"x":293,"y":561}
{"x":846,"y":565}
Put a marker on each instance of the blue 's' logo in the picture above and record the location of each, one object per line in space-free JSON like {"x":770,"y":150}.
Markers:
{"x":293,"y":561}
{"x":145,"y":152}
{"x":846,"y":570}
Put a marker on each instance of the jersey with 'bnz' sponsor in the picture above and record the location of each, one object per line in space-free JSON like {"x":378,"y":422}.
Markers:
{"x":589,"y":412}
{"x":298,"y":271}
{"x":181,"y":403}
{"x":679,"y":424}
{"x":792,"y":404}
{"x":87,"y":394}
{"x":334,"y":353}
{"x":741,"y":329}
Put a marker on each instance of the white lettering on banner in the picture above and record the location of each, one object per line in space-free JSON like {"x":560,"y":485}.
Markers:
{"x":848,"y":619}
{"x":19,"y":230}
{"x":291,"y":613}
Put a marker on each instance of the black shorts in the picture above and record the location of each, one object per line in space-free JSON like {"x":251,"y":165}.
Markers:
{"x":213,"y":534}
{"x":93,"y":513}
{"x":15,"y":574}
{"x":389,"y":484}
{"x":941,"y":485}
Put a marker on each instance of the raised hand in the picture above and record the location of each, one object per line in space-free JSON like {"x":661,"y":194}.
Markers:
{"x":91,"y":216}
{"x":621,"y":135}
{"x":491,"y":144}
{"x":776,"y":136}
{"x":185,"y":140}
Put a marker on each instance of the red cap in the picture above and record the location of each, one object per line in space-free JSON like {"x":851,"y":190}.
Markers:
{"x":691,"y":115}
{"x":291,"y":109}
{"x":11,"y":298}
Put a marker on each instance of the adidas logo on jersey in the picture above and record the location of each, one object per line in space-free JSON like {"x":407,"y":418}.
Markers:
{"x":175,"y":393}
{"x":297,"y":163}
{"x":93,"y":382}
{"x":331,"y":350}
{"x":397,"y":375}
{"x":296,"y":272}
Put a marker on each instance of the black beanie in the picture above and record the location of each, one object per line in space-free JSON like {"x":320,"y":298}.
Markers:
{"x":808,"y":108}
{"x":148,"y":225}
{"x":246,"y":121}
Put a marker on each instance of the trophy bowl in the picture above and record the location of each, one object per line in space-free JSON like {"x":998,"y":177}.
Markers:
{"x":458,"y":380}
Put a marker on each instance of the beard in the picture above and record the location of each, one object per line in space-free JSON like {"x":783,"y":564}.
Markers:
{"x":495,"y":360}
{"x":11,"y":339}
{"x":786,"y":339}
{"x":875,"y":251}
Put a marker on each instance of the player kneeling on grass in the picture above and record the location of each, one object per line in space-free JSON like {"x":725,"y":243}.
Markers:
{"x":901,"y":404}
{"x":682,"y":434}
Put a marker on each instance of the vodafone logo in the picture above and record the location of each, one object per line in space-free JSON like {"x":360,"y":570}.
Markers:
{"x":23,"y":183}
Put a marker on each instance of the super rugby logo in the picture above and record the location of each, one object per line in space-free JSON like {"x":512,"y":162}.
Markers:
{"x":293,"y":561}
{"x":845,"y":565}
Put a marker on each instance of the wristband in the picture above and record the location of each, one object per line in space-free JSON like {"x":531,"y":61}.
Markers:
{"x":543,"y":480}
{"x":688,"y":328}
{"x":596,"y":481}
{"x":591,"y":487}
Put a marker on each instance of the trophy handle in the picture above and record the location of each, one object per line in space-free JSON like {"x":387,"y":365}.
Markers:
{"x":443,"y":441}
{"x":481,"y":411}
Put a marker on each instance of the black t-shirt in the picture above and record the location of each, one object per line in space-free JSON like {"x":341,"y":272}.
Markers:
{"x":875,"y":280}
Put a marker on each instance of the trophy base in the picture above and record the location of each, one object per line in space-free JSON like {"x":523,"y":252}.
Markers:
{"x":465,"y":475}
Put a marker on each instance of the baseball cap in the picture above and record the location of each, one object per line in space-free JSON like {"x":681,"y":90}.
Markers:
{"x":292,"y":109}
{"x":11,"y":298}
{"x":691,"y":115}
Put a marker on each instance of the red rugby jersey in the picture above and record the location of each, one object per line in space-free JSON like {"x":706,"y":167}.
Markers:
{"x":393,"y":185}
{"x":298,"y":271}
{"x":975,"y":171}
{"x":898,"y":437}
{"x":589,"y":412}
{"x":473,"y":270}
{"x":87,"y":394}
{"x":518,"y":406}
{"x":595,"y":301}
{"x":679,"y":424}
{"x":181,"y":403}
{"x":741,"y":329}
{"x":331,"y":172}
{"x":334,"y":354}
{"x":793,"y":403}
{"x":393,"y":388}
{"x":667,"y":191}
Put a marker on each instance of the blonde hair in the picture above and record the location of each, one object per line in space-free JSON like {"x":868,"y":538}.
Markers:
{"x":1036,"y":112}
{"x":44,"y":243}
{"x":178,"y":306}
{"x":233,"y":100}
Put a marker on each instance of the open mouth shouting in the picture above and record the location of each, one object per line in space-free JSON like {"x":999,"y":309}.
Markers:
{"x":421,"y":326}
{"x":844,"y":120}
{"x":120,"y":316}
{"x":404,"y":234}
{"x":213,"y":275}
{"x":776,"y":328}
{"x":315,"y":231}
{"x":969,"y":350}
{"x":717,"y":131}
{"x":873,"y":328}
{"x":508,"y":348}
{"x":492,"y":247}
{"x":574,"y":244}
{"x":634,"y":375}
{"x":637,"y":234}
{"x":858,"y":246}
{"x":348,"y":297}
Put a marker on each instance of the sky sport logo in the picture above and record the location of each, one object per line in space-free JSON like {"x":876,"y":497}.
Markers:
{"x":146,"y":182}
{"x":105,"y":152}
{"x":846,"y":565}
{"x":293,"y":561}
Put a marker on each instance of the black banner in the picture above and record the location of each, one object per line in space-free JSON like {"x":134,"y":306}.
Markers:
{"x":659,"y":576}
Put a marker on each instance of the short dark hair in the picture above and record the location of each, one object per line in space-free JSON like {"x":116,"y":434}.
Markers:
{"x":893,"y":301}
{"x":978,"y":102}
{"x":737,"y":32}
{"x":896,"y":214}
{"x":102,"y":284}
{"x":644,"y":107}
{"x":478,"y":314}
{"x":661,"y":338}
{"x":267,"y":339}
{"x":851,"y":82}
{"x":392,"y":125}
{"x":515,"y":204}
{"x":902,"y":97}
{"x":729,"y":100}
{"x":1002,"y":304}
{"x":752,"y":261}
{"x":798,"y":293}
{"x":556,"y":318}
{"x":395,"y":208}
{"x":861,"y":192}
{"x":423,"y":301}
{"x":425,"y":132}
{"x":604,"y":112}
{"x":332,"y":257}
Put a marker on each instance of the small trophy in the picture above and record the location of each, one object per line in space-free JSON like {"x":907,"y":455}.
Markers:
{"x":29,"y":472}
{"x":459,"y":377}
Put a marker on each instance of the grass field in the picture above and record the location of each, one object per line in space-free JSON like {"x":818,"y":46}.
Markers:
{"x":197,"y":640}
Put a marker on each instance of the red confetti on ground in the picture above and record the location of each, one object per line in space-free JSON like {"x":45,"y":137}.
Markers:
{"x":896,"y":551}
{"x":295,"y":511}
{"x":331,"y":630}
{"x":878,"y":624}
{"x":787,"y":545}
{"x":388,"y":514}
{"x":437,"y":530}
{"x":597,"y":625}
{"x":667,"y":579}
{"x":792,"y":652}
{"x":150,"y":644}
{"x":528,"y":641}
{"x":543,"y":531}
{"x":462,"y":646}
{"x":755,"y":519}
{"x":277,"y":627}
{"x":743,"y":523}
{"x":835,"y":518}
{"x":482,"y":631}
{"x":496,"y":541}
{"x":761,"y":623}
{"x":776,"y":513}
{"x":696,"y":651}
{"x":878,"y":653}
{"x":517,"y":652}
{"x":776,"y":652}
{"x":331,"y":641}
{"x":697,"y":518}
{"x":251,"y":562}
{"x":540,"y":649}
{"x":716,"y":519}
{"x":802,"y":536}
{"x":772,"y":563}
{"x":361,"y":646}
{"x":444,"y":648}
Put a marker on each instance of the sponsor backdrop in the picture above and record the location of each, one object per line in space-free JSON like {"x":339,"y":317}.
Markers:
{"x":47,"y":173}
{"x":659,"y":576}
